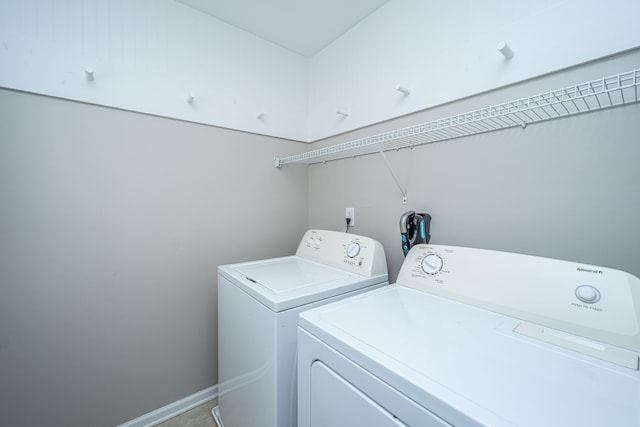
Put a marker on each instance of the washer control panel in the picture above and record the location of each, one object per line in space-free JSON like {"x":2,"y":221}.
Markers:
{"x":596,"y":302}
{"x":357,"y":254}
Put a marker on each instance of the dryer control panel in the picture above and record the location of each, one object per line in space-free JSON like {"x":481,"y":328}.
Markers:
{"x":593,"y":302}
{"x":350,"y":252}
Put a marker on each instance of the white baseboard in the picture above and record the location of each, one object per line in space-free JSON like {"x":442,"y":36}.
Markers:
{"x":172,"y":409}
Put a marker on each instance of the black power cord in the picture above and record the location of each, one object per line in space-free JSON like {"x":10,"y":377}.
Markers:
{"x":348,"y":220}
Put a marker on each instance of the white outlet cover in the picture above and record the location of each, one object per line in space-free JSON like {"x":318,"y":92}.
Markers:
{"x":351,"y":213}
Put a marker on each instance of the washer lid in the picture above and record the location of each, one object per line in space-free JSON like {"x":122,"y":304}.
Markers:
{"x":290,"y":274}
{"x":467,"y":363}
{"x":288,"y":282}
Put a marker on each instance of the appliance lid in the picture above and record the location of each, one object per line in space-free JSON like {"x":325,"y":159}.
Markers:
{"x":290,"y":274}
{"x":446,"y":354}
{"x":288,"y":282}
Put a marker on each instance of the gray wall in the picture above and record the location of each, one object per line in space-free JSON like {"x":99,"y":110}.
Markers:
{"x":112,"y":225}
{"x":567,"y":189}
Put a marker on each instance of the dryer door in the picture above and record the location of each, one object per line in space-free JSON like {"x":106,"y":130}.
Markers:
{"x":337,"y":403}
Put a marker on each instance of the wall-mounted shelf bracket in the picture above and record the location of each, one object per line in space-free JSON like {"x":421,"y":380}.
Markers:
{"x":395,"y":178}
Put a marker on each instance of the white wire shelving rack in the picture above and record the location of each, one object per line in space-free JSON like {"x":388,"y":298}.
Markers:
{"x":607,"y":92}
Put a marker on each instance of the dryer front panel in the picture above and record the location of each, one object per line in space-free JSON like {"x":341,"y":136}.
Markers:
{"x":335,"y":402}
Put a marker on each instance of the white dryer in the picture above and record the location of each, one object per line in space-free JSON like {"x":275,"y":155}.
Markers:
{"x":470,"y":337}
{"x":258,"y":307}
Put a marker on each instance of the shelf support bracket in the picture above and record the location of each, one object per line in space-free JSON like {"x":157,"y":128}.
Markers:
{"x":386,"y":161}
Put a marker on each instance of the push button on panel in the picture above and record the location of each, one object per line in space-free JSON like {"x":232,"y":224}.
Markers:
{"x":587,"y":294}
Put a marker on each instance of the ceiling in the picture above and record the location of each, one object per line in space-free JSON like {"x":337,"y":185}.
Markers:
{"x":301,"y":26}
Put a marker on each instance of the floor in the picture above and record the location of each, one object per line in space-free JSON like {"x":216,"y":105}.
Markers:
{"x":200,"y":416}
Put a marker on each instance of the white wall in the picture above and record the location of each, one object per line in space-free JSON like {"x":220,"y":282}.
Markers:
{"x":112,"y":225}
{"x":447,"y":50}
{"x":147,"y":56}
{"x":566,"y":189}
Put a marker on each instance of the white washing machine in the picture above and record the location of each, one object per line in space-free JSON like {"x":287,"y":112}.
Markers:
{"x":470,"y":337}
{"x":258,"y":307}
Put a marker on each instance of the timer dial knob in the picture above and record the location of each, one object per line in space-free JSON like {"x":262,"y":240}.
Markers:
{"x":432,"y":264}
{"x":353,"y":249}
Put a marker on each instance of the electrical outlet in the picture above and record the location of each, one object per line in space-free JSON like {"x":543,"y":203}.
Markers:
{"x":350,"y":213}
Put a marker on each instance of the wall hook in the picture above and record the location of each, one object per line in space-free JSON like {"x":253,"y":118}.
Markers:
{"x":89,"y":75}
{"x":190,"y":98}
{"x":504,"y":49}
{"x":403,"y":90}
{"x":260,"y":116}
{"x":342,"y":113}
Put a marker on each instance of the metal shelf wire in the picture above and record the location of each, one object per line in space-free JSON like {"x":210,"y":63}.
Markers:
{"x":607,"y":92}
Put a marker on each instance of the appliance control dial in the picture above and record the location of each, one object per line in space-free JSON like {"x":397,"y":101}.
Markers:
{"x":588,"y":294}
{"x":432,"y":264}
{"x":353,"y":249}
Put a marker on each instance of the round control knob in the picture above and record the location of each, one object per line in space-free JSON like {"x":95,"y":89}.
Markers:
{"x":432,"y":264}
{"x":317,"y":242}
{"x":353,"y":250}
{"x":587,"y":294}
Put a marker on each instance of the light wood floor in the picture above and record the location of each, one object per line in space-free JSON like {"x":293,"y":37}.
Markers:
{"x":200,"y":416}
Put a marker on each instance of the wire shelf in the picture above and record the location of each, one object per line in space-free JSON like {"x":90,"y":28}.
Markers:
{"x":607,"y":92}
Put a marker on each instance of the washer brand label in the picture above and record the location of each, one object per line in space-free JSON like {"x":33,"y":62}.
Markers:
{"x":589,"y":270}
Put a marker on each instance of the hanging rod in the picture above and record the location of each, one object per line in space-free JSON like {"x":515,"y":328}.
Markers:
{"x":619,"y":89}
